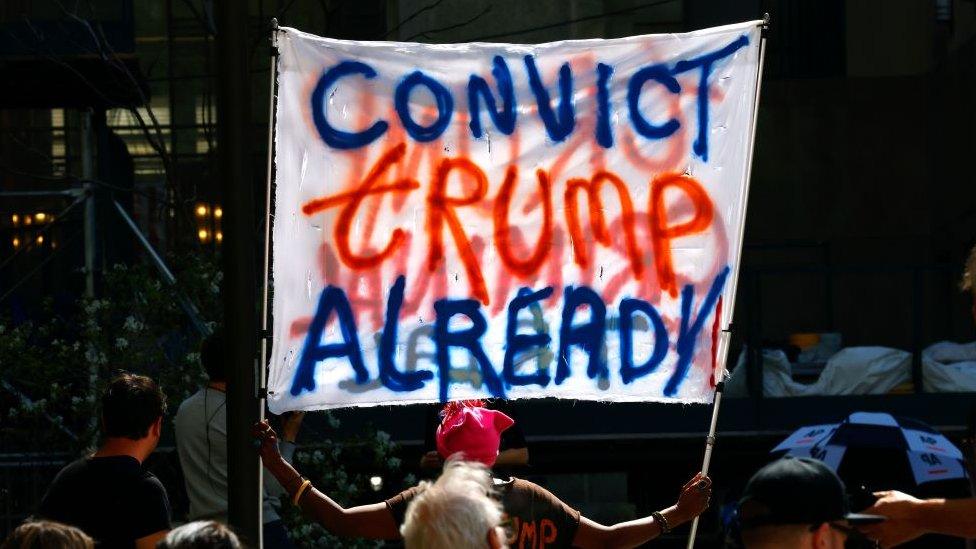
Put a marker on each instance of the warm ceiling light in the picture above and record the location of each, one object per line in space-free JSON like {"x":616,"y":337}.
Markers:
{"x":219,"y":236}
{"x":40,"y":239}
{"x":27,"y":220}
{"x":218,"y":212}
{"x":203,"y":234}
{"x":16,"y":242}
{"x":15,"y":219}
{"x":201,"y":210}
{"x":40,"y":217}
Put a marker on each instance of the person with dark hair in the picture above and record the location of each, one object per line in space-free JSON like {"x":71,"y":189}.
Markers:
{"x":108,"y":494}
{"x":536,"y":517}
{"x":201,"y":534}
{"x":45,"y":534}
{"x":201,"y":441}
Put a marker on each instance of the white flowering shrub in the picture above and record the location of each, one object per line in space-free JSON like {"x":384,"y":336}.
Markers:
{"x":53,"y":367}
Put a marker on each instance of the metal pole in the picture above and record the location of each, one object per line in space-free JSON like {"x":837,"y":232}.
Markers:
{"x":88,"y":173}
{"x":709,"y":445}
{"x":29,"y":194}
{"x":188,"y":307}
{"x":750,"y":152}
{"x":267,"y":204}
{"x":239,"y":290}
{"x":720,"y":386}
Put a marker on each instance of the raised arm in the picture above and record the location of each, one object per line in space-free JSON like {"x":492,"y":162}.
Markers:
{"x":290,"y":425}
{"x":692,"y":502}
{"x":909,"y":517}
{"x":366,"y":521}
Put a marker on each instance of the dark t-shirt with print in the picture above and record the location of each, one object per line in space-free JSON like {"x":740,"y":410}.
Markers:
{"x":534,"y":517}
{"x":112,"y":499}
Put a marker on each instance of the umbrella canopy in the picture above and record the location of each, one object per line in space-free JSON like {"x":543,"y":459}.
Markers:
{"x":926,"y":453}
{"x":876,"y":451}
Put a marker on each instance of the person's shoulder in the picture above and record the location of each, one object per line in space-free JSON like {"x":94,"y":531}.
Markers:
{"x":191,"y":412}
{"x":398,"y":503}
{"x":518,"y":488}
{"x":121,"y":470}
{"x":63,"y":486}
{"x":523,"y":486}
{"x":150,"y":482}
{"x":407,"y":495}
{"x":79,"y":464}
{"x":150,"y":490}
{"x":77,"y":468}
{"x":531,"y":491}
{"x":191,"y":402}
{"x":68,"y":473}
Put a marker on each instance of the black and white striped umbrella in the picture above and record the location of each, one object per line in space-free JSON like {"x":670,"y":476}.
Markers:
{"x":930,"y":455}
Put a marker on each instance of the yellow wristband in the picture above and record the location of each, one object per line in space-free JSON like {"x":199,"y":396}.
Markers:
{"x":301,"y":490}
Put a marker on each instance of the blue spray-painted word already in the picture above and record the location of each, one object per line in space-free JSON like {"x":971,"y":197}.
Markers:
{"x":586,"y":336}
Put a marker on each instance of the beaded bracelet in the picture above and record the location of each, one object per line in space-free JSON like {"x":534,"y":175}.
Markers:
{"x":659,"y":518}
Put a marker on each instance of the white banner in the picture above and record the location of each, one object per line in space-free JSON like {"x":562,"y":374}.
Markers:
{"x":496,"y":220}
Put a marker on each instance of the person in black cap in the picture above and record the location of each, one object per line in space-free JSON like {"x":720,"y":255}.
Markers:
{"x":799,"y":503}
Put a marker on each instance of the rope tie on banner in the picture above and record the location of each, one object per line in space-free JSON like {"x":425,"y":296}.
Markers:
{"x":274,"y":39}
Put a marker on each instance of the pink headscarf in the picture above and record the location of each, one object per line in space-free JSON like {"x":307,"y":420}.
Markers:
{"x":471,"y":429}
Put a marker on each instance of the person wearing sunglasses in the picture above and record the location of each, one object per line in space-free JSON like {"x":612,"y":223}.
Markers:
{"x":799,"y":503}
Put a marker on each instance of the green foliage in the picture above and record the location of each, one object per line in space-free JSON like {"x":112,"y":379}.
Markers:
{"x":55,"y":365}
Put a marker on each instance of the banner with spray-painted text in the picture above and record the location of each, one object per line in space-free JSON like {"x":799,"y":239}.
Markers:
{"x":508,"y":221}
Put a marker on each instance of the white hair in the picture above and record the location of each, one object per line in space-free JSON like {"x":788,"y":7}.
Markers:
{"x":456,"y":511}
{"x":199,"y":534}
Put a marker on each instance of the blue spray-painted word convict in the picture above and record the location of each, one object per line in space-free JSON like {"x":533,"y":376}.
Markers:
{"x":559,"y":120}
{"x":586,"y":336}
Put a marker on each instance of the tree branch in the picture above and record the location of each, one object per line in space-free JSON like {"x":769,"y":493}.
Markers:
{"x":411,"y":17}
{"x":450,"y":27}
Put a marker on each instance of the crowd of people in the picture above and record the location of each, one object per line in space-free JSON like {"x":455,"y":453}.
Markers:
{"x":108,"y":499}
